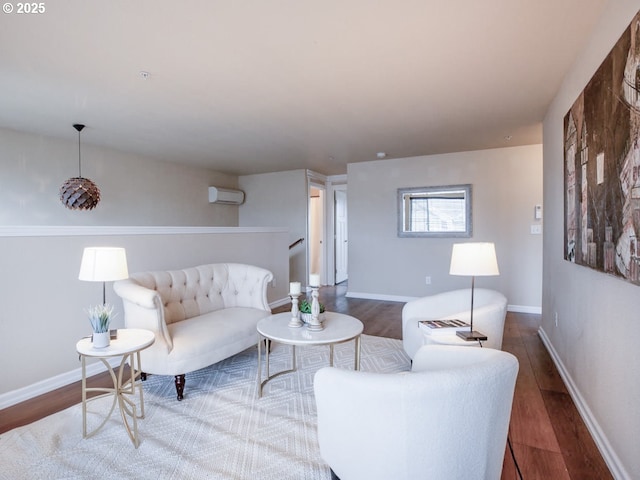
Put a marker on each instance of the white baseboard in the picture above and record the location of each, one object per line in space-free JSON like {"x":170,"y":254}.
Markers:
{"x":379,"y":296}
{"x":524,"y":309}
{"x":279,"y":303}
{"x":45,"y":386}
{"x":404,"y":299}
{"x":14,"y":397}
{"x":603,"y":444}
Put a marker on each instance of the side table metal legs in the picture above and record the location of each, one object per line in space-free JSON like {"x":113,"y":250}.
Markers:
{"x":122,"y":391}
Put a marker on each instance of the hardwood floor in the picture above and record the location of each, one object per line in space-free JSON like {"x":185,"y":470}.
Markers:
{"x":549,"y":438}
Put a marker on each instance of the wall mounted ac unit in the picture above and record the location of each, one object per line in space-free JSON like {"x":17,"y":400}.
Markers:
{"x":226,"y":196}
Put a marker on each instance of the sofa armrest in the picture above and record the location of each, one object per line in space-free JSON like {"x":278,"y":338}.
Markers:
{"x":247,"y":286}
{"x":135,"y":293}
{"x":143,"y":308}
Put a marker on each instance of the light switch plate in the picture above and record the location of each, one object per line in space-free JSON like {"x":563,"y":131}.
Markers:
{"x":537,"y":212}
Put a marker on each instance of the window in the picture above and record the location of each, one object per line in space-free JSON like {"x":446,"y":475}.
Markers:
{"x":443,"y":211}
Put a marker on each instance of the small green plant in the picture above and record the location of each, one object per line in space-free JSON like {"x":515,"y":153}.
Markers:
{"x":305,"y":307}
{"x":100,"y":316}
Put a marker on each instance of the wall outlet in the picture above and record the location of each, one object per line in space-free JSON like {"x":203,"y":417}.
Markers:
{"x":536,"y":229}
{"x":427,"y":280}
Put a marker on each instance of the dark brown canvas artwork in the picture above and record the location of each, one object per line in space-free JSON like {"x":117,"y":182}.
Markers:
{"x":602,"y":165}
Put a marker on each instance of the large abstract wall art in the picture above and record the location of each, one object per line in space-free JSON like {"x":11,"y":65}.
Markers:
{"x":602,"y":165}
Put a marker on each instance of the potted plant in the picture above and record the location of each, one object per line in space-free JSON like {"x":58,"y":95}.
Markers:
{"x":100,"y":317}
{"x":305,"y":310}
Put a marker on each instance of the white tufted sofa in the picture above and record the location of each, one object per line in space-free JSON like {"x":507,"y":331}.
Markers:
{"x":200,"y":315}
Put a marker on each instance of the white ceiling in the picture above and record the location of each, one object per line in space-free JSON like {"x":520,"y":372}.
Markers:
{"x":252,"y":86}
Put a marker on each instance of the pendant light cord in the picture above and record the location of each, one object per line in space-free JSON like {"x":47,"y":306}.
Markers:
{"x":79,"y":127}
{"x":79,"y":162}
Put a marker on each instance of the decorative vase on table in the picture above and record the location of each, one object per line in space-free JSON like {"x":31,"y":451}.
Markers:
{"x":306,"y":317}
{"x":305,"y":312}
{"x":101,"y":339}
{"x":100,"y":318}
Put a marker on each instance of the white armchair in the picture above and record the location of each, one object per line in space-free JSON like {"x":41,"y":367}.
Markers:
{"x":489,"y":313}
{"x":447,"y":419}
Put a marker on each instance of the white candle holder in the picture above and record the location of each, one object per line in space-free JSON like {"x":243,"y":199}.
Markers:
{"x":315,"y":324}
{"x":295,"y":321}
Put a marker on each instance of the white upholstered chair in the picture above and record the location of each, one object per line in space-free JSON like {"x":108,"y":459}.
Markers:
{"x":447,"y":419}
{"x":489,"y":313}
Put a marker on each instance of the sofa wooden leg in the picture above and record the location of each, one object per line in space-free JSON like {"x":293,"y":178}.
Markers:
{"x":334,"y":476}
{"x":180,"y":386}
{"x":143,"y":376}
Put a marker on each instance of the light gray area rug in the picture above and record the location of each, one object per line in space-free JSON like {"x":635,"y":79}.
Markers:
{"x":221,"y":430}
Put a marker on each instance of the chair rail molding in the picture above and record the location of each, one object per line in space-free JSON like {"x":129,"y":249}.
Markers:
{"x":62,"y":230}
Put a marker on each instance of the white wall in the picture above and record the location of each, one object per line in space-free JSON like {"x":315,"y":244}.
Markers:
{"x":506,"y":184}
{"x":151,"y":208}
{"x":594,"y":343}
{"x":43,"y":301}
{"x":135,"y":190}
{"x":279,"y":199}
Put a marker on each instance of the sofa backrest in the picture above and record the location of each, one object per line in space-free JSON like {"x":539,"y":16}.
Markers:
{"x":198,"y":290}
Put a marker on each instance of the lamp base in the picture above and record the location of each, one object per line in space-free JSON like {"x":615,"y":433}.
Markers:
{"x":471,"y":336}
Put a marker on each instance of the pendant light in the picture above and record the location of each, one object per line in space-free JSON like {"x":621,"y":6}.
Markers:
{"x":79,"y":193}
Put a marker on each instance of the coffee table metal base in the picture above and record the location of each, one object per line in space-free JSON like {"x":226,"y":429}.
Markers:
{"x":267,"y":343}
{"x":345,"y":329}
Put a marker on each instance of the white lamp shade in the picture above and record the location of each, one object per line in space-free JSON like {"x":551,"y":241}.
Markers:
{"x":474,"y":259}
{"x":103,"y":264}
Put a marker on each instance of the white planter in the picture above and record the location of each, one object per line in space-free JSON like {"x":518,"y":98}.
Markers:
{"x":306,"y":317}
{"x":101,"y":340}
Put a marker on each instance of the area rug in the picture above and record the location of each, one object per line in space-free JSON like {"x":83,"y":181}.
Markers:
{"x":221,"y":430}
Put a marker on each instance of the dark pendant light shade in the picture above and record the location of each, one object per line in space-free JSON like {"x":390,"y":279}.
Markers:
{"x":79,"y":193}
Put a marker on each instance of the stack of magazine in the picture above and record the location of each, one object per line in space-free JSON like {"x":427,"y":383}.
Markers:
{"x":440,"y":327}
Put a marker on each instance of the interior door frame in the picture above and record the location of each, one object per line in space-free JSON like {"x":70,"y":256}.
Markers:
{"x":323,"y":225}
{"x":333,"y":182}
{"x":329,"y":184}
{"x":317,"y":180}
{"x":341,"y":189}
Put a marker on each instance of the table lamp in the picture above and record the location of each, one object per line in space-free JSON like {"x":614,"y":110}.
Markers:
{"x":103,"y":264}
{"x":473,"y":260}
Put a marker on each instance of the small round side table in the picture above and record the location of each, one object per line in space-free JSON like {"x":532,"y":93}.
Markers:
{"x":128,"y":344}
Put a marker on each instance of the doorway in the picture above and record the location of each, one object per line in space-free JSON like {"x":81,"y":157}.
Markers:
{"x":316,"y":259}
{"x":341,"y":235}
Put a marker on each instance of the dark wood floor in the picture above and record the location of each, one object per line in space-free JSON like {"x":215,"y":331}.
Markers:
{"x":549,"y":438}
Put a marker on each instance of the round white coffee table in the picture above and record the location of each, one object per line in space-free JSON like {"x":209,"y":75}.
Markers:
{"x":338,"y":328}
{"x":128,"y":345}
